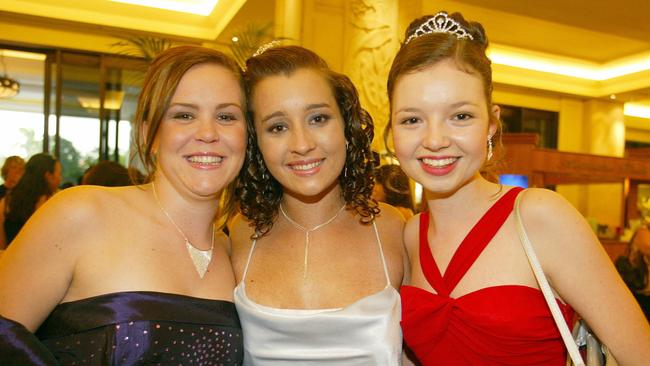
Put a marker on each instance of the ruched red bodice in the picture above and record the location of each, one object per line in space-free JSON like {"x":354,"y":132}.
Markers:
{"x":498,"y":325}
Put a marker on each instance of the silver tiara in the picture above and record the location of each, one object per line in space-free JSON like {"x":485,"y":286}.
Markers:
{"x":263,"y":48}
{"x":440,"y":23}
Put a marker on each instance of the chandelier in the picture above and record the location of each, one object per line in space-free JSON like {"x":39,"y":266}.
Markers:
{"x":8,"y":87}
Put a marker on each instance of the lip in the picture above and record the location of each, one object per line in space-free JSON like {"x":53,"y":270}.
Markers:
{"x":438,"y":165}
{"x":205,"y":160}
{"x":305,"y":167}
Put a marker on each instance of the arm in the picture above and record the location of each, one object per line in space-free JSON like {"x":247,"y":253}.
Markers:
{"x":580,"y":271}
{"x":3,"y":236}
{"x":36,"y":271}
{"x":18,"y":346}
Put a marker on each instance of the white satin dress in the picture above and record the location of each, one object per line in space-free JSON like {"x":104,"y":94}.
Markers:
{"x":366,"y":332}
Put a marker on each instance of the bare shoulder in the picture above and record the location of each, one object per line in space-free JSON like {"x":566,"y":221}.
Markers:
{"x":240,"y":236}
{"x":544,"y":207}
{"x":390,"y":216}
{"x":411,"y":230}
{"x":390,"y":224}
{"x":557,"y":230}
{"x":83,"y":204}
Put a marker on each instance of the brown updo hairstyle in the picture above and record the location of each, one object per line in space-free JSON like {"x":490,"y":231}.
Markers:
{"x":259,"y":193}
{"x":160,"y":83}
{"x":426,"y":50}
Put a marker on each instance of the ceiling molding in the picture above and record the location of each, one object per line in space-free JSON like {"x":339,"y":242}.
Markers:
{"x":131,"y":17}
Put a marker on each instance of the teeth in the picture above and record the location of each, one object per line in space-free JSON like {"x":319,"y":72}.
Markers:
{"x":203,"y":159}
{"x":437,"y":163}
{"x":306,"y":166}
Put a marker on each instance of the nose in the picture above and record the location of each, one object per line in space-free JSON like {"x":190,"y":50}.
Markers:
{"x":301,"y":141}
{"x":207,"y":130}
{"x":436,"y":137}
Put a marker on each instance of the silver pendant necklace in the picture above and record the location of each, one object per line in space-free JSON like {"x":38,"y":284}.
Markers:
{"x":200,"y":258}
{"x":307,"y":231}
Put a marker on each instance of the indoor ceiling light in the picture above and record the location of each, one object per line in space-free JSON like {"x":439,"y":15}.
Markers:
{"x":640,"y":110}
{"x":23,"y":55}
{"x":198,"y":7}
{"x":112,"y":100}
{"x":538,"y":61}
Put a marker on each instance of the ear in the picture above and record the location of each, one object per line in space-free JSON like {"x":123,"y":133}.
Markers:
{"x":496,"y":116}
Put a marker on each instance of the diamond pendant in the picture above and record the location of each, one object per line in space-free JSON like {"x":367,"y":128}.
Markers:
{"x":200,"y":258}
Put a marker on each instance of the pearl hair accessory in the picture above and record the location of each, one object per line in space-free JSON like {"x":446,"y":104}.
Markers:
{"x":265,"y":47}
{"x":440,"y":23}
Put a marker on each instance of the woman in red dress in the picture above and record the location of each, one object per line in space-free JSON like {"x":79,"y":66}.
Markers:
{"x":473,"y":299}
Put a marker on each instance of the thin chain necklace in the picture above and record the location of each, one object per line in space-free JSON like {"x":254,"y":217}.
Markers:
{"x":200,"y":258}
{"x":307,"y":231}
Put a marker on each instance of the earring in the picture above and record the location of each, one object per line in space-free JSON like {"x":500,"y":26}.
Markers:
{"x":489,"y":151}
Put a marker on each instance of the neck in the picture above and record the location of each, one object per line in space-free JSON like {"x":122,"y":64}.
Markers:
{"x":455,"y":204}
{"x":192,"y":215}
{"x":310,"y":213}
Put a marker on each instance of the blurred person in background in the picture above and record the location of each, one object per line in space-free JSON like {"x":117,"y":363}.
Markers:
{"x":39,"y":182}
{"x":108,"y":174}
{"x":392,"y":187}
{"x":12,"y":169}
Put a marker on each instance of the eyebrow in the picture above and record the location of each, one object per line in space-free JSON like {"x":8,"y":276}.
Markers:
{"x":307,"y":108}
{"x":407,"y":110}
{"x":316,"y":106}
{"x":455,"y":105}
{"x":194,"y":106}
{"x":273,"y":115}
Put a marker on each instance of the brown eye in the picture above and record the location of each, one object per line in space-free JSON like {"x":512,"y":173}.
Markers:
{"x":410,"y":121}
{"x":462,"y":116}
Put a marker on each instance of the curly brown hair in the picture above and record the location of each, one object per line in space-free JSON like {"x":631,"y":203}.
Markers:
{"x":259,"y":193}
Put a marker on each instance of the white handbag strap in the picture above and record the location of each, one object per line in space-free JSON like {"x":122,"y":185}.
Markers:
{"x":567,"y":337}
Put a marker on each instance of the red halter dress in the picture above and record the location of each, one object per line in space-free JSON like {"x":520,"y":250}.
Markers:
{"x":497,"y":325}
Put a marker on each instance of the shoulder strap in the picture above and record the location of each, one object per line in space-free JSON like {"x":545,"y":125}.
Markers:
{"x":570,"y":344}
{"x":248,"y":261}
{"x":381,"y":253}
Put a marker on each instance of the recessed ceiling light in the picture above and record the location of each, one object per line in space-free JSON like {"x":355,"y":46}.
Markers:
{"x":198,"y":7}
{"x":538,"y":61}
{"x":23,"y":55}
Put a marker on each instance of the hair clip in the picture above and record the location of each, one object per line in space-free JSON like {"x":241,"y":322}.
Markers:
{"x":263,"y":48}
{"x":441,"y":23}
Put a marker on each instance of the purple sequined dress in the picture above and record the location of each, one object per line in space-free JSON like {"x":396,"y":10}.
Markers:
{"x":129,"y":328}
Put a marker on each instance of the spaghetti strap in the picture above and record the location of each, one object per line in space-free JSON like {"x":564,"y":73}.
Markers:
{"x":248,"y":261}
{"x":381,"y":253}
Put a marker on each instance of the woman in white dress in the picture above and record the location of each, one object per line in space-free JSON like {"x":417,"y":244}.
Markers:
{"x":317,"y":261}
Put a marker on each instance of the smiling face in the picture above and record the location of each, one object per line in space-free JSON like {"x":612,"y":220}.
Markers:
{"x":440,"y":123}
{"x":202,"y":137}
{"x":300,"y":132}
